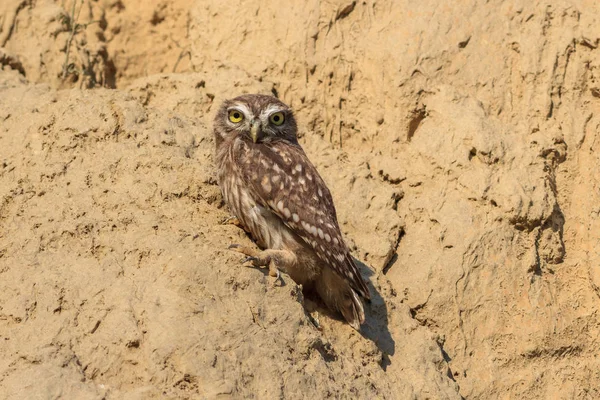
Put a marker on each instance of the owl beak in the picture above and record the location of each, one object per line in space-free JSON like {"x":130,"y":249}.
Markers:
{"x":255,"y":131}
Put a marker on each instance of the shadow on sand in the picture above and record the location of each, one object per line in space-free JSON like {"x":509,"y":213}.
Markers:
{"x":375,"y":327}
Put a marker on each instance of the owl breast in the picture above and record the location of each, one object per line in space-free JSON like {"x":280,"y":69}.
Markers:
{"x":265,"y":227}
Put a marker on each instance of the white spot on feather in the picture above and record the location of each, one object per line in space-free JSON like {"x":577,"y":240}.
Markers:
{"x":266,"y":184}
{"x":295,"y":217}
{"x":313,"y":230}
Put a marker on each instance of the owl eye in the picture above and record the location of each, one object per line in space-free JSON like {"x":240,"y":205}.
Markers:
{"x":277,"y":118}
{"x":236,"y":116}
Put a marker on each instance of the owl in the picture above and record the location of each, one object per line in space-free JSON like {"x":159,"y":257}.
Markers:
{"x":277,"y":195}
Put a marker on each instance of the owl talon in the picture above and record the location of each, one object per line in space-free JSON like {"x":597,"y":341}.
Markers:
{"x":274,"y":273}
{"x":233,"y":220}
{"x":272,"y":259}
{"x":254,"y":261}
{"x":265,"y":262}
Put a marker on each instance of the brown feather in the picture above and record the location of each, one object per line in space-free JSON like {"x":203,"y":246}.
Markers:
{"x":314,"y":209}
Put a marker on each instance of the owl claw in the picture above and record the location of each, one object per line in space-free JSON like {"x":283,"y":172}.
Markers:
{"x":265,"y":263}
{"x":233,"y":220}
{"x":255,"y":262}
{"x":272,"y":259}
{"x":274,"y":273}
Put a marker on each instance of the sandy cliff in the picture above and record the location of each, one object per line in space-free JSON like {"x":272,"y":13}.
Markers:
{"x":460,"y":143}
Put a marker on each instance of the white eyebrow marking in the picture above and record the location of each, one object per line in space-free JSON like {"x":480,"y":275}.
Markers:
{"x":271,"y":109}
{"x":243,"y":109}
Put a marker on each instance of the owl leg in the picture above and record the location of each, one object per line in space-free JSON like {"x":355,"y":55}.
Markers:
{"x":275,"y":260}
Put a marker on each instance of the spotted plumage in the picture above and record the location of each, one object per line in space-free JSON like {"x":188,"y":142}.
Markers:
{"x":277,"y":194}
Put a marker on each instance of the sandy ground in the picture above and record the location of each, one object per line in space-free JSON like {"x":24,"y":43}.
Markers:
{"x":460,"y":143}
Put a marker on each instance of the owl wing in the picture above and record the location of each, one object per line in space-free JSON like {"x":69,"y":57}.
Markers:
{"x":286,"y":182}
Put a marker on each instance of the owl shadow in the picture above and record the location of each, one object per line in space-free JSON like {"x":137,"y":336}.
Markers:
{"x":376,"y":323}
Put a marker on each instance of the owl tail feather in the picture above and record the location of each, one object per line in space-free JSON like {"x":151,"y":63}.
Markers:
{"x":339,"y":296}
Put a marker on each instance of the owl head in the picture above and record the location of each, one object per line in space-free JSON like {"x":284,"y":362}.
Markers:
{"x":257,"y":118}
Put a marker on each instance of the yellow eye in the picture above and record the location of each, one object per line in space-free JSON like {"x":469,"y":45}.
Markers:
{"x":236,"y":116}
{"x":277,"y":118}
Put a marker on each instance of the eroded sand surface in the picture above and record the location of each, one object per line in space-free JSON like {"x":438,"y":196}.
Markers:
{"x":460,"y":143}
